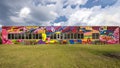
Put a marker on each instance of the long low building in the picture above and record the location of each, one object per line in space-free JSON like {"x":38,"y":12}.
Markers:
{"x":60,"y":35}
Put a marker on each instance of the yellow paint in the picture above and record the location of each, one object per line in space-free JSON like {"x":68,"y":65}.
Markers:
{"x":43,"y":37}
{"x":41,"y":31}
{"x":88,"y":28}
{"x":104,"y":27}
{"x":52,"y":41}
{"x":58,"y":32}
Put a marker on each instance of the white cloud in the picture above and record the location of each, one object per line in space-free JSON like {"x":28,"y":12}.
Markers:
{"x":17,"y":19}
{"x":24,"y":12}
{"x":21,"y":15}
{"x":109,"y":16}
{"x":35,"y":14}
{"x":80,"y":2}
{"x":57,"y":24}
{"x":79,"y":16}
{"x":53,"y":13}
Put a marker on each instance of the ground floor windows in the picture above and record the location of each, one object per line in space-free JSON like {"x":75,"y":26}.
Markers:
{"x":59,"y":36}
{"x":67,"y":36}
{"x":24,"y":36}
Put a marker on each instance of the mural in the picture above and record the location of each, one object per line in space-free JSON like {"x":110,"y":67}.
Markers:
{"x":78,"y":34}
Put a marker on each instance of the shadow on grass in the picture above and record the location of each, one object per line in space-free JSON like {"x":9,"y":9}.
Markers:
{"x":113,"y":55}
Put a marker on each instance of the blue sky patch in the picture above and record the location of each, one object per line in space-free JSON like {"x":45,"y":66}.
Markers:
{"x":61,"y":19}
{"x":102,"y":3}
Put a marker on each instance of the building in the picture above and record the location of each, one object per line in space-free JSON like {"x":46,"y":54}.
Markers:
{"x":60,"y":34}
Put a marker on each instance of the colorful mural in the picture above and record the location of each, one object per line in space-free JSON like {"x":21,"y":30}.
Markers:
{"x":78,"y":34}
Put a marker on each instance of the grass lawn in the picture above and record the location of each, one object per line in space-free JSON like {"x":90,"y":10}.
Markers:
{"x":60,"y":56}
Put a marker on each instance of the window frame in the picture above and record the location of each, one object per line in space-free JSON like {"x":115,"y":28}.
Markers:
{"x":95,"y":35}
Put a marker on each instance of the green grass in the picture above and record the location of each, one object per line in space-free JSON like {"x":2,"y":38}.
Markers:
{"x":58,"y":56}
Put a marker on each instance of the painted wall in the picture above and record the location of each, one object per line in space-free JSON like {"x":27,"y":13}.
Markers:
{"x":108,"y":34}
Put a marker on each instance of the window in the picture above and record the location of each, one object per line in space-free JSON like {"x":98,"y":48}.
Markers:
{"x":19,"y":36}
{"x":22,"y":36}
{"x":52,"y":36}
{"x":55,"y":36}
{"x":40,"y":36}
{"x":15,"y":36}
{"x":37,"y":36}
{"x":80,"y":36}
{"x":95,"y":36}
{"x":68,"y":36}
{"x":27,"y":36}
{"x":75,"y":35}
{"x":12,"y":36}
{"x":61,"y":36}
{"x":30,"y":36}
{"x":65,"y":36}
{"x":34,"y":36}
{"x":58,"y":36}
{"x":71,"y":35}
{"x":9,"y":36}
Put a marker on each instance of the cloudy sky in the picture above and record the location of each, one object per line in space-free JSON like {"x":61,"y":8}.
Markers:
{"x":60,"y":12}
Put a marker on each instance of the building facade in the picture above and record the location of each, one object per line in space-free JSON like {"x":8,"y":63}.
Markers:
{"x":60,"y":34}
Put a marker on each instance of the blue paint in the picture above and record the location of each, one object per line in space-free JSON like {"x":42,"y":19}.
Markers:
{"x":71,"y":41}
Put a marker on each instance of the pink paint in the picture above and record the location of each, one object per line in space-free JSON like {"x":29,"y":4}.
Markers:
{"x":4,"y":37}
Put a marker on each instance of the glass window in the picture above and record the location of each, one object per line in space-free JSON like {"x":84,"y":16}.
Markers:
{"x":54,"y":36}
{"x":65,"y":36}
{"x":12,"y":36}
{"x":37,"y":36}
{"x":75,"y":35}
{"x":61,"y":36}
{"x":40,"y":36}
{"x":72,"y":35}
{"x":68,"y":36}
{"x":30,"y":36}
{"x":27,"y":36}
{"x":80,"y":36}
{"x":22,"y":36}
{"x":19,"y":36}
{"x":95,"y":36}
{"x":9,"y":36}
{"x":16,"y":36}
{"x":34,"y":36}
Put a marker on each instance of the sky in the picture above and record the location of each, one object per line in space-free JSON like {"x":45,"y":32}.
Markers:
{"x":59,"y":13}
